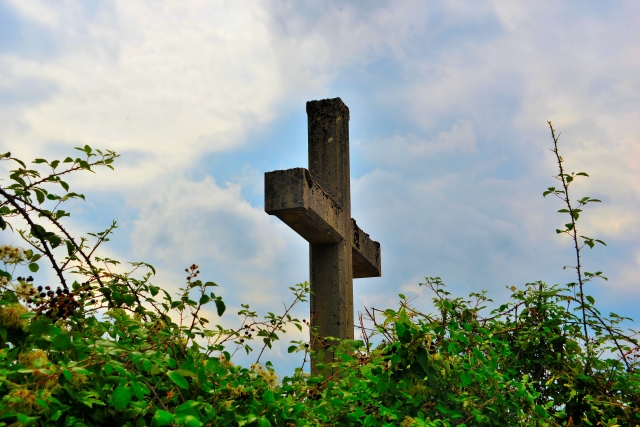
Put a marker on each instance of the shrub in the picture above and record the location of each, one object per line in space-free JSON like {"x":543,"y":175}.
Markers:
{"x":113,"y":349}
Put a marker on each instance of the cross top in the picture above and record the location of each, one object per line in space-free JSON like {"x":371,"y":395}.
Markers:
{"x":316,"y":203}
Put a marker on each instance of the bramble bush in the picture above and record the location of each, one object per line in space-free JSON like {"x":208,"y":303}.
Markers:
{"x":110,"y":348}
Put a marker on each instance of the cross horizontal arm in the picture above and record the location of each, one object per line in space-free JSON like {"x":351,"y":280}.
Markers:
{"x":365,"y":254}
{"x":303,"y":205}
{"x":293,"y":196}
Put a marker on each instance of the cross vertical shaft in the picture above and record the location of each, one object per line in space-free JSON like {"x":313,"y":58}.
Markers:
{"x":330,"y":263}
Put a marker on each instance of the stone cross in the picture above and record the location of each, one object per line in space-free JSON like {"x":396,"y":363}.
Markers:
{"x":316,"y":203}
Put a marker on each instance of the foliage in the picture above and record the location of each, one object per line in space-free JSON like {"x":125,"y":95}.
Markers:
{"x":113,"y":349}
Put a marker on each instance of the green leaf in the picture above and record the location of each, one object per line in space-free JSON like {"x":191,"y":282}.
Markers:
{"x":404,"y":332}
{"x":40,"y":161}
{"x":70,"y":248}
{"x":129,"y":300}
{"x":178,"y":379}
{"x":121,"y":397}
{"x":423,"y":358}
{"x":24,"y":420}
{"x":61,"y":342}
{"x":64,"y":185}
{"x":591,"y":299}
{"x":186,"y":373}
{"x":541,"y":411}
{"x":39,"y":195}
{"x":220,"y":307}
{"x":582,"y":174}
{"x":118,"y":297}
{"x":267,"y":397}
{"x":54,"y":240}
{"x":163,"y":418}
{"x":467,"y":378}
{"x":292,"y":348}
{"x":67,"y":374}
{"x":264,"y":422}
{"x":189,"y":421}
{"x":33,"y":267}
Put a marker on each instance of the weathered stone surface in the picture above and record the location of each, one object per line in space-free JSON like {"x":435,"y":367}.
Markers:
{"x":316,"y":203}
{"x":303,"y":205}
{"x":366,"y":254}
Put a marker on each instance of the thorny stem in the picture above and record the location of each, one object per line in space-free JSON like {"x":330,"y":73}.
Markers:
{"x":277,"y":325}
{"x":73,"y":242}
{"x":74,"y":167}
{"x":47,"y":251}
{"x":574,"y":231}
{"x":153,"y":390}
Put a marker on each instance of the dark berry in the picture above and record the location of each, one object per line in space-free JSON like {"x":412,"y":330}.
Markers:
{"x":42,"y":295}
{"x":29,"y":279}
{"x":58,"y":291}
{"x":66,"y":292}
{"x":47,"y":287}
{"x":39,"y":288}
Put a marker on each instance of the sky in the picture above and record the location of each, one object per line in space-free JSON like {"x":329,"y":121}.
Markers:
{"x":449,"y":103}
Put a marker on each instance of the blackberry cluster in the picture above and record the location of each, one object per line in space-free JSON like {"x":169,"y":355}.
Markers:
{"x":324,"y":343}
{"x":247,"y":332}
{"x":363,"y":359}
{"x":60,"y":303}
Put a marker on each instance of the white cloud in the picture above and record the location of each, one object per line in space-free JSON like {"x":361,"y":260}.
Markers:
{"x":171,"y":81}
{"x":38,"y":11}
{"x":466,"y":90}
{"x":400,"y":150}
{"x":214,"y":227}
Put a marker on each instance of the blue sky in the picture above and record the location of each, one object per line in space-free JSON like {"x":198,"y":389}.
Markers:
{"x":449,"y":141}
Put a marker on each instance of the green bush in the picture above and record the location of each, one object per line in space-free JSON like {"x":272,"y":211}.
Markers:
{"x":113,"y":349}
